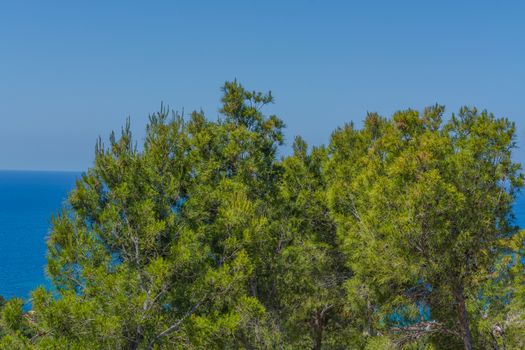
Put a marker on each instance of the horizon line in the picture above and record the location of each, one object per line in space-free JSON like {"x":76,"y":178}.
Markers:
{"x":42,"y":170}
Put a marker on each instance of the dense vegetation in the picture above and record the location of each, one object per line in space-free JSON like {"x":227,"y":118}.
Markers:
{"x":396,"y":235}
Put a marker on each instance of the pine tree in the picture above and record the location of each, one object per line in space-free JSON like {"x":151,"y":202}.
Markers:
{"x":424,"y":210}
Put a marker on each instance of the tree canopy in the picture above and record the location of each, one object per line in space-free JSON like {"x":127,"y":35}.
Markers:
{"x":399,"y":234}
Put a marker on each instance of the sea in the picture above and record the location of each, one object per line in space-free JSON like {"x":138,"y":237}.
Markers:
{"x":27,"y":201}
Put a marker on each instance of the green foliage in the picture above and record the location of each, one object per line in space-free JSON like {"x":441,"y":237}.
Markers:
{"x":158,"y":245}
{"x":396,"y":235}
{"x":423,"y":211}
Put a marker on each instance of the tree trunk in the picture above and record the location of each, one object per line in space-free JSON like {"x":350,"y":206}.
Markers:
{"x":318,"y":330}
{"x":318,"y":339}
{"x":463,"y":319}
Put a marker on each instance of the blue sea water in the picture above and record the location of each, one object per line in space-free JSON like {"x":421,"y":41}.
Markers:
{"x":519,"y":210}
{"x":27,"y":200}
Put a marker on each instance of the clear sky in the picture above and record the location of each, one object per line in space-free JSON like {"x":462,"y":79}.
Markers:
{"x":73,"y":70}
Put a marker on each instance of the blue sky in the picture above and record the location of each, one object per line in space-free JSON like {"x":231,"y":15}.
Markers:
{"x":71,"y":71}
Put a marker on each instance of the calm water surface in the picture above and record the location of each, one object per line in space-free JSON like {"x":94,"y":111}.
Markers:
{"x":27,"y":200}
